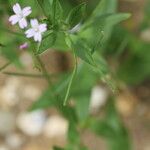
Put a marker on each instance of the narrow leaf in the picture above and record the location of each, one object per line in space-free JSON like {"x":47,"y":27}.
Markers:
{"x":57,"y":11}
{"x":46,"y":6}
{"x":76,"y":15}
{"x":81,"y":49}
{"x":47,"y":42}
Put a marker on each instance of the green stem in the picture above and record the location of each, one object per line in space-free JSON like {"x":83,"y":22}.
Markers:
{"x":71,"y":80}
{"x":5,"y":66}
{"x":43,"y":69}
{"x":12,"y":32}
{"x":27,"y":74}
{"x":40,"y":65}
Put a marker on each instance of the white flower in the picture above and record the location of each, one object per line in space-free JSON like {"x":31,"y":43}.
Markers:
{"x":20,"y":15}
{"x":36,"y":30}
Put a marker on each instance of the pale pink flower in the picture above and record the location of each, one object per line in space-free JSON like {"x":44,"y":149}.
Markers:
{"x":23,"y":46}
{"x":36,"y":30}
{"x":20,"y":15}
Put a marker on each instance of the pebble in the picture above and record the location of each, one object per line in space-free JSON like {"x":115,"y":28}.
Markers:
{"x":9,"y":92}
{"x":145,"y":35}
{"x":98,"y":98}
{"x":35,"y":146}
{"x":26,"y":59}
{"x":14,"y":140}
{"x":31,"y":123}
{"x":27,"y":94}
{"x":3,"y":147}
{"x":125,"y":104}
{"x":56,"y":127}
{"x":7,"y":122}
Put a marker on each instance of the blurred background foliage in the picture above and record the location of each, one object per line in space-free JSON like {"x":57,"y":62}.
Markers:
{"x":121,"y":54}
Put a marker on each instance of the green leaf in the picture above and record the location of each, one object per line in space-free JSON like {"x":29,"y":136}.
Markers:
{"x":60,"y":43}
{"x":46,"y":6}
{"x":82,"y":105}
{"x":73,"y":135}
{"x":68,"y":112}
{"x":47,"y":42}
{"x":70,"y":84}
{"x":53,"y":40}
{"x":135,"y":68}
{"x":46,"y":100}
{"x":81,"y":49}
{"x":109,"y":24}
{"x":52,"y":9}
{"x":111,"y":128}
{"x":11,"y":54}
{"x":97,"y":31}
{"x":53,"y":96}
{"x":83,"y":52}
{"x":117,"y":18}
{"x":82,"y":95}
{"x":101,"y":128}
{"x":57,"y":11}
{"x":76,"y":15}
{"x":105,"y":6}
{"x":112,"y":116}
{"x":102,"y":19}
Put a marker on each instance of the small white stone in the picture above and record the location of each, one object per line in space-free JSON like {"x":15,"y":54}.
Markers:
{"x":26,"y":59}
{"x":9,"y":92}
{"x":27,"y":94}
{"x":98,"y":98}
{"x":145,"y":35}
{"x":147,"y":146}
{"x":7,"y":122}
{"x":3,"y":147}
{"x":56,"y":127}
{"x":31,"y":123}
{"x":14,"y":140}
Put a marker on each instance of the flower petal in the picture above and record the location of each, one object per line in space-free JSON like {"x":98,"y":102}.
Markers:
{"x":26,"y":11}
{"x":23,"y":23}
{"x":17,"y":8}
{"x":38,"y":37}
{"x":13,"y":19}
{"x":34,"y":23}
{"x":23,"y":46}
{"x":29,"y":33}
{"x":42,"y":27}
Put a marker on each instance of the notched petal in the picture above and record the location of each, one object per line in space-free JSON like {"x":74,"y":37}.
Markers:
{"x":34,"y":23}
{"x":17,"y":8}
{"x":38,"y":37}
{"x":23,"y":23}
{"x":30,"y":33}
{"x":26,"y":11}
{"x":13,"y":19}
{"x":43,"y":27}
